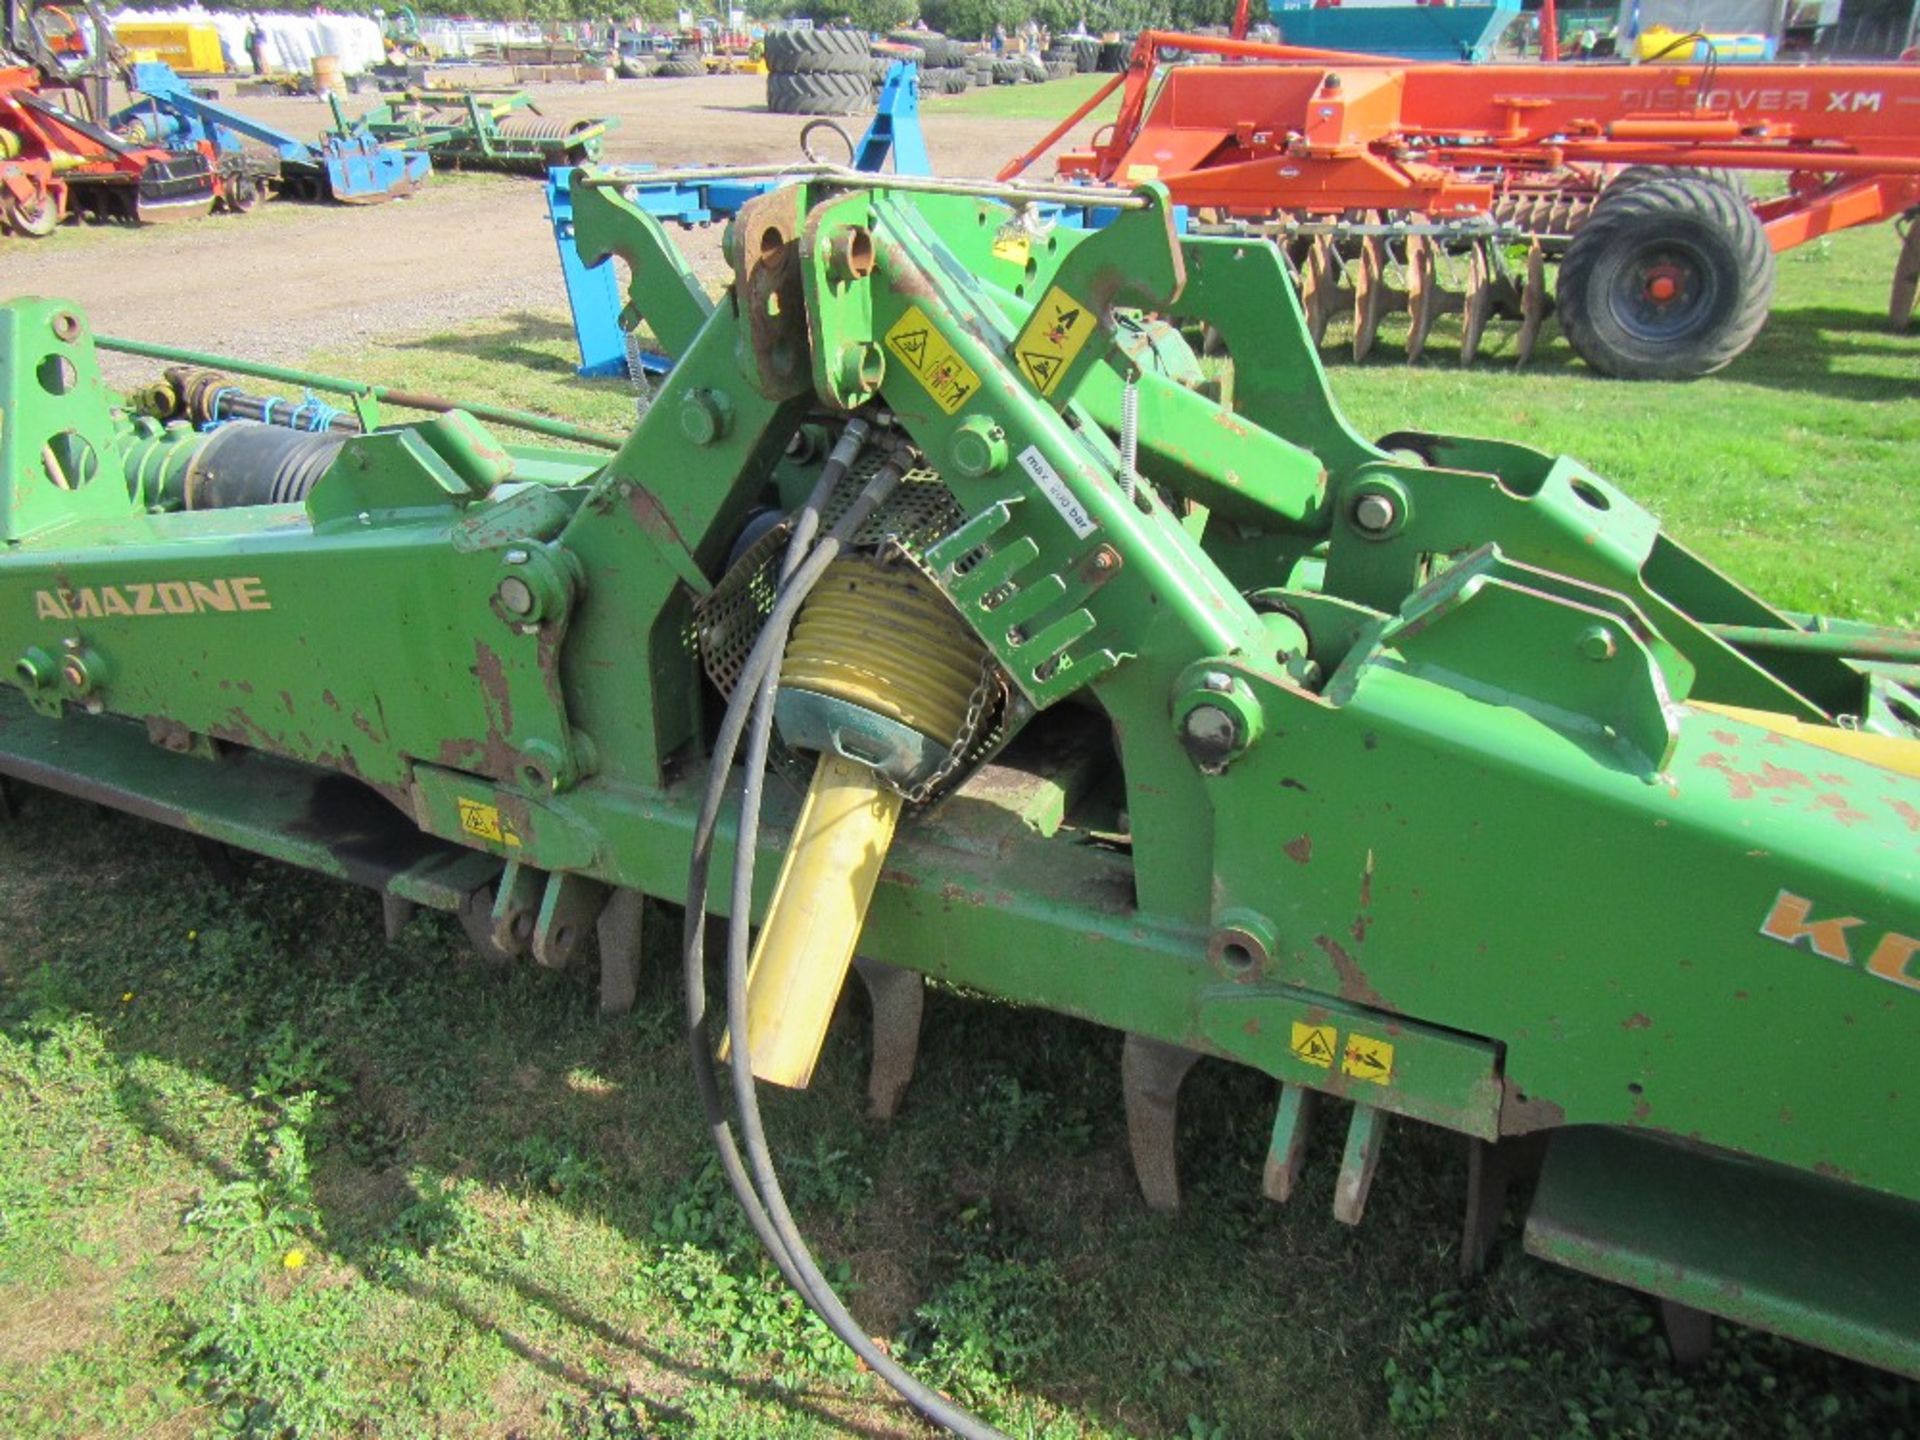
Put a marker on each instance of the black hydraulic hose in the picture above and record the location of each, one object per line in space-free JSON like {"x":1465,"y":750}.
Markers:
{"x":761,"y":1196}
{"x":695,"y":930}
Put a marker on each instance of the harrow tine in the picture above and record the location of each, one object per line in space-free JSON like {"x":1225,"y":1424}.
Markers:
{"x":1478,"y":304}
{"x":1423,"y":294}
{"x":1533,"y":303}
{"x":1150,"y":1075}
{"x":1906,"y":280}
{"x":899,"y":999}
{"x":618,"y":931}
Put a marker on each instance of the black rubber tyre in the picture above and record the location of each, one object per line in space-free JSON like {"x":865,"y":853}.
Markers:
{"x":942,"y":53}
{"x":1641,"y":174}
{"x":816,"y":52}
{"x":1113,"y":56}
{"x":911,"y":53}
{"x":1086,"y":56}
{"x":819,"y":94}
{"x":1009,"y":72}
{"x":678,"y":69}
{"x":1667,"y":280}
{"x":1060,"y":70}
{"x":956,"y":82}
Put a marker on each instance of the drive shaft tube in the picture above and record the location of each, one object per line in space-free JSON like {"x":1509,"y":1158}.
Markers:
{"x":878,"y":677}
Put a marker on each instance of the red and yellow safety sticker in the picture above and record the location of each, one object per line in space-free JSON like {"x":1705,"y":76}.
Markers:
{"x":934,"y":363}
{"x":1058,"y":330}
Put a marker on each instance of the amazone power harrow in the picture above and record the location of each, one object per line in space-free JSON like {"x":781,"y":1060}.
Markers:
{"x":1427,"y":777}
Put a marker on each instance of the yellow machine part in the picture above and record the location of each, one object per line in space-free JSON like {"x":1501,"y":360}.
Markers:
{"x":189,"y":47}
{"x":884,"y":639}
{"x":1889,"y":752}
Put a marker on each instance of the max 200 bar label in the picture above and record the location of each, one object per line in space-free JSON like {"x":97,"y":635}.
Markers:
{"x":162,"y":597}
{"x":1056,"y":491}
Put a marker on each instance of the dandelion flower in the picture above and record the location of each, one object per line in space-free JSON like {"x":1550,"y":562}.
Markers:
{"x":127,"y":999}
{"x":294,"y":1259}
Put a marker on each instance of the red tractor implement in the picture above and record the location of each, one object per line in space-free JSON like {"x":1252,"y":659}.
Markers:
{"x":55,"y":157}
{"x":1382,"y":176}
{"x":103,"y":175}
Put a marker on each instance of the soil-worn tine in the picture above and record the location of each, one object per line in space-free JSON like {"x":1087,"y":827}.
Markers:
{"x":899,"y":999}
{"x":1689,"y":1333}
{"x":1533,"y":303}
{"x":618,"y":933}
{"x":1423,"y":294}
{"x":1369,"y":290}
{"x":1151,"y":1072}
{"x":1906,"y":281}
{"x":1479,"y":302}
{"x":395,"y":912}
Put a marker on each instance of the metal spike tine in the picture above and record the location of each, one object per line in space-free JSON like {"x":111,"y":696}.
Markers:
{"x":1292,"y":1124}
{"x":1151,"y":1072}
{"x":395,"y":912}
{"x":618,"y":931}
{"x":1362,"y":1156}
{"x":898,"y":1000}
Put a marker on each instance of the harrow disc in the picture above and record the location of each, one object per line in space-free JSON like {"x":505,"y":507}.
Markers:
{"x":1423,"y":294}
{"x":1320,"y":285}
{"x":1906,"y":279}
{"x":1533,"y":303}
{"x":1369,"y":292}
{"x":1477,"y":304}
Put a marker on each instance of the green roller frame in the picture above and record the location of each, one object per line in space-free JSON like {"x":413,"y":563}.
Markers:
{"x":1428,"y":775}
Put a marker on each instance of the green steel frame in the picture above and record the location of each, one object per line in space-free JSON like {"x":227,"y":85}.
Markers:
{"x":1452,"y":786}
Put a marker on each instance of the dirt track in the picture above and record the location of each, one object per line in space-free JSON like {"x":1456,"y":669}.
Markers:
{"x":290,"y":279}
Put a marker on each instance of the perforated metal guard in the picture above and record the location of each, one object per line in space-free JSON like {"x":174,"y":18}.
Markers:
{"x":919,"y":512}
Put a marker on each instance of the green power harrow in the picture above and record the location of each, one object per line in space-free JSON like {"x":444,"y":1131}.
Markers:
{"x":476,"y":130}
{"x":1427,"y":777}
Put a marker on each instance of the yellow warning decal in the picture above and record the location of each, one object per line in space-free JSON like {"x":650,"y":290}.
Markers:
{"x":1012,"y":245}
{"x":1314,"y":1044}
{"x":1055,"y":334}
{"x":1368,"y":1059}
{"x":481,"y":819}
{"x":1137,"y":173}
{"x":934,"y":363}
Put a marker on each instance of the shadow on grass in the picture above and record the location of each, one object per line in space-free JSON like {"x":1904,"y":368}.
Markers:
{"x":514,"y":338}
{"x":1802,"y":350}
{"x":1009,"y":1162}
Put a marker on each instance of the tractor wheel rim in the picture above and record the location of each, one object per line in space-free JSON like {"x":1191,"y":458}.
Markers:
{"x":1663,"y":292}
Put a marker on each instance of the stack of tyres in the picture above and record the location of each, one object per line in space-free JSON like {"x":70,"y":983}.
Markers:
{"x":818,"y":72}
{"x":945,"y":67}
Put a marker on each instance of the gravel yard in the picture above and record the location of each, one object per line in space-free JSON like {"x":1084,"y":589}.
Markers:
{"x":290,"y":279}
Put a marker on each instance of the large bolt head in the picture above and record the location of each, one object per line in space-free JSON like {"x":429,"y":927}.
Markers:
{"x":978,"y":447}
{"x":1375,"y":512}
{"x":705,"y":416}
{"x":515,"y":596}
{"x":1210,"y":733}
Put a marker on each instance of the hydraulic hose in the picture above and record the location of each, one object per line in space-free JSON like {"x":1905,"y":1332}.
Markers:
{"x":755,"y":1183}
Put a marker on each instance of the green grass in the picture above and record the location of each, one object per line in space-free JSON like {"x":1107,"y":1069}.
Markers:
{"x":264,"y":1173}
{"x":1052,"y":101}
